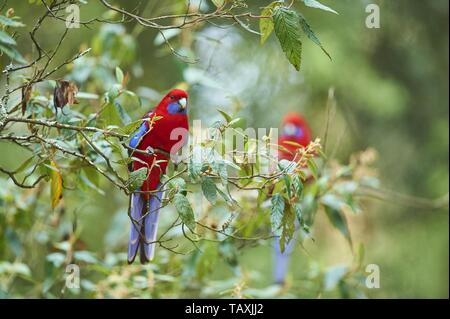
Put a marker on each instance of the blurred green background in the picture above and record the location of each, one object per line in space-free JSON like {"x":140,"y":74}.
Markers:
{"x":391,"y":94}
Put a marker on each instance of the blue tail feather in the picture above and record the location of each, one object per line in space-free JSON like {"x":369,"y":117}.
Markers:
{"x":143,"y":229}
{"x":281,"y":260}
{"x":151,"y":226}
{"x":137,"y":206}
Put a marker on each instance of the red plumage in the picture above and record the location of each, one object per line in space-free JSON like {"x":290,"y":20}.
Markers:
{"x":301,"y":134}
{"x":164,"y":129}
{"x":159,"y":137}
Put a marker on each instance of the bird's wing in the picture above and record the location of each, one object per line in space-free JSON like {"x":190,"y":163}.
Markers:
{"x":141,"y":131}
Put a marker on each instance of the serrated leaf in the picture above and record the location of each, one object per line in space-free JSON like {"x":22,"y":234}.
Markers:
{"x":56,"y":185}
{"x":137,"y":178}
{"x":298,"y":186}
{"x":298,"y":213}
{"x":266,"y":25}
{"x":5,"y":38}
{"x":209,"y":189}
{"x":195,"y":163}
{"x":10,"y":22}
{"x":288,"y":227}
{"x":287,"y":182}
{"x":287,"y":29}
{"x":317,"y":5}
{"x":276,"y":214}
{"x":311,"y":35}
{"x":185,"y":211}
{"x":179,"y":184}
{"x":220,"y":167}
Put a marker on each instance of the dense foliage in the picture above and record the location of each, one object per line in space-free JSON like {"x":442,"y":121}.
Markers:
{"x":67,"y":113}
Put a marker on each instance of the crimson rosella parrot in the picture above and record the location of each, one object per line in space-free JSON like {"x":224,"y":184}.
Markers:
{"x":168,"y":132}
{"x":294,"y":129}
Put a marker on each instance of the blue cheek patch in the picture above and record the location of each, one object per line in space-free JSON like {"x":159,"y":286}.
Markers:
{"x":296,"y":131}
{"x":134,"y":142}
{"x":175,"y":108}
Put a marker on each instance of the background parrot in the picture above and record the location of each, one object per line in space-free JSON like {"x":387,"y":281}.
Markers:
{"x":171,"y":115}
{"x":294,"y":129}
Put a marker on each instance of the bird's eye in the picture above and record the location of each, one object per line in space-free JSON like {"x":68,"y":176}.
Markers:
{"x":172,"y":97}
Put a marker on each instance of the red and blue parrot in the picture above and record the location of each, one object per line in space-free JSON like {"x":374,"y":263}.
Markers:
{"x":168,"y":133}
{"x":294,"y":129}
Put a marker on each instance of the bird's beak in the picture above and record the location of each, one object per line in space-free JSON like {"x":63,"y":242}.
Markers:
{"x":183,"y":103}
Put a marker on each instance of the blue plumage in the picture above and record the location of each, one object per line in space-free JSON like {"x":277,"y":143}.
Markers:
{"x":143,"y":129}
{"x":144,"y":226}
{"x":281,"y":260}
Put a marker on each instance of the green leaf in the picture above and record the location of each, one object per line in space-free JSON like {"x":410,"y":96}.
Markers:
{"x":227,"y":117}
{"x":10,"y":22}
{"x":130,"y":128}
{"x":185,"y":211}
{"x":24,"y":165}
{"x":276,"y":214}
{"x":220,"y":167}
{"x":113,"y":92}
{"x":235,"y":122}
{"x":339,"y":221}
{"x":287,"y":182}
{"x":195,"y":163}
{"x":125,"y":118}
{"x":317,"y":5}
{"x":226,"y":196}
{"x":85,"y":256}
{"x":287,"y":29}
{"x":298,"y":185}
{"x":179,"y":184}
{"x":313,"y":168}
{"x":266,"y":24}
{"x":111,"y":116}
{"x":298,"y":213}
{"x":218,"y":3}
{"x":333,"y":201}
{"x":90,"y":178}
{"x":56,"y":185}
{"x":137,"y":178}
{"x":57,"y":259}
{"x":288,"y":227}
{"x":5,"y":38}
{"x":119,"y":75}
{"x":12,"y":53}
{"x":311,"y":35}
{"x":209,"y":189}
